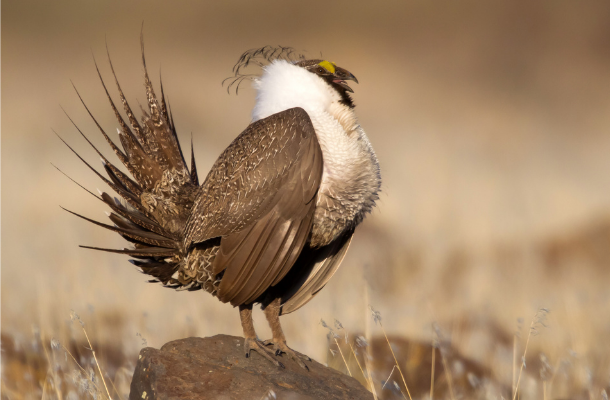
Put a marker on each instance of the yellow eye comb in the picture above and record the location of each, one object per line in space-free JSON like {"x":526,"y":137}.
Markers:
{"x":327,"y":65}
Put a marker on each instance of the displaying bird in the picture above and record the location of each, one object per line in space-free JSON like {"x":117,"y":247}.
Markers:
{"x":274,"y":217}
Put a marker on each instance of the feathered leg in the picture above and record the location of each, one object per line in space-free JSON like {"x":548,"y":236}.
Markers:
{"x":272,"y":312}
{"x":251,"y":342}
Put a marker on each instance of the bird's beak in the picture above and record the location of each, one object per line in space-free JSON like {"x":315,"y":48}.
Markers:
{"x":341,"y":75}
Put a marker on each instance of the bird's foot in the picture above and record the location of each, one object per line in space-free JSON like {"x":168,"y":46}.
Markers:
{"x":258,"y":346}
{"x":280,"y":347}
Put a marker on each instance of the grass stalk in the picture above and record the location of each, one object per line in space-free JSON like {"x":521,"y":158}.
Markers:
{"x":538,"y":319}
{"x":44,"y":387}
{"x":97,"y":363}
{"x":514,"y":386}
{"x":389,"y":376}
{"x":446,"y":369}
{"x":115,"y":389}
{"x":356,"y":358}
{"x":79,"y":366}
{"x":543,"y":390}
{"x":340,"y":352}
{"x":448,"y":376}
{"x":529,"y":335}
{"x":395,"y":360}
{"x":74,"y":316}
{"x":367,"y":335}
{"x":51,"y":364}
{"x":370,"y":379}
{"x":432,"y":371}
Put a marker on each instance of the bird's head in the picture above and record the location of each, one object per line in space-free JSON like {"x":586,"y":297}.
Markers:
{"x":284,"y":79}
{"x":334,"y":75}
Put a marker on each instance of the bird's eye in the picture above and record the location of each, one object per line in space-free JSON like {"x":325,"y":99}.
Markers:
{"x":320,"y":70}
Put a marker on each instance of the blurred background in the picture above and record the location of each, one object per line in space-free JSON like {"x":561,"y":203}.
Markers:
{"x":491,"y":123}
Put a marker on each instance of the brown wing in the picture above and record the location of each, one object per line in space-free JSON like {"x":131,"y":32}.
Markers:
{"x":312,"y":271}
{"x":259,"y":198}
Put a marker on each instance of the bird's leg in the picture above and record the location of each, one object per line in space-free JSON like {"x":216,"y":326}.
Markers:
{"x":251,"y":342}
{"x":272,"y":312}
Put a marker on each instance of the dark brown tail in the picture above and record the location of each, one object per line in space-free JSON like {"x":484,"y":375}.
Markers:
{"x":158,"y":197}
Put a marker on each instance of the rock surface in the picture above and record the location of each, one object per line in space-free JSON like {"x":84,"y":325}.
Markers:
{"x":216,"y":368}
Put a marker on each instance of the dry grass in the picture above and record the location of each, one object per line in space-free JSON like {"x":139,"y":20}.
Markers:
{"x":49,"y":368}
{"x":472,"y":356}
{"x":464,"y":377}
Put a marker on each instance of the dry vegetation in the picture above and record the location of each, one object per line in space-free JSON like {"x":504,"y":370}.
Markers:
{"x":548,"y":355}
{"x":491,"y":124}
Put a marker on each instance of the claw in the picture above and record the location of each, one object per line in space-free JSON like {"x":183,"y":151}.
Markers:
{"x":280,"y":348}
{"x":258,"y":346}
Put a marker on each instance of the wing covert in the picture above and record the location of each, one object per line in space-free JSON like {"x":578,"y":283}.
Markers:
{"x":259,"y":198}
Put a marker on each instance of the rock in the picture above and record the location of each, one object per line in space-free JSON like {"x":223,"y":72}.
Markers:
{"x":216,"y":368}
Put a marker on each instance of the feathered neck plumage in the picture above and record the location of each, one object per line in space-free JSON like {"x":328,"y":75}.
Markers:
{"x":284,"y":85}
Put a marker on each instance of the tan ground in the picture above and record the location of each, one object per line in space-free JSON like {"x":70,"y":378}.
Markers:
{"x":491,"y":123}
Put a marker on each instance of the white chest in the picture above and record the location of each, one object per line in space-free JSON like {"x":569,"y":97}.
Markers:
{"x":350,"y":180}
{"x":341,"y":151}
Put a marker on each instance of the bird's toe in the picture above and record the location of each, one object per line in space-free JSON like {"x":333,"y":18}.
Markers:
{"x":258,"y":346}
{"x":280,"y":347}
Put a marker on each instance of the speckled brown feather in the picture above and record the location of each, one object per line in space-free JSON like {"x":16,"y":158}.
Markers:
{"x":159,"y":198}
{"x":137,"y":129}
{"x":194,"y":176}
{"x":137,"y":218}
{"x":116,"y":175}
{"x":243,"y":182}
{"x":259,"y":197}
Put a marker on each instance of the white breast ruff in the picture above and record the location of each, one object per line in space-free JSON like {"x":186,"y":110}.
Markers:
{"x":350,"y":181}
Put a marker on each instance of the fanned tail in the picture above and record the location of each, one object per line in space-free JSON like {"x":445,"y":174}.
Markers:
{"x":157,"y":199}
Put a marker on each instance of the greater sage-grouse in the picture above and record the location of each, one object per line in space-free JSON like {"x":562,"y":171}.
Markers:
{"x":274,"y":217}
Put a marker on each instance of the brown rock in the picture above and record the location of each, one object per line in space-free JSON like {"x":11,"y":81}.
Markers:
{"x":216,"y":368}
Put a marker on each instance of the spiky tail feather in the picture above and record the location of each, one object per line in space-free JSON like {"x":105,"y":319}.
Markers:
{"x":158,"y":198}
